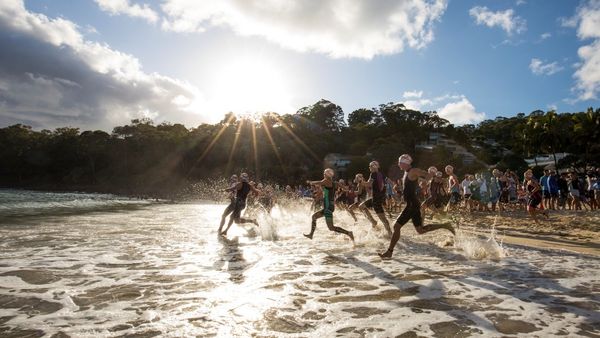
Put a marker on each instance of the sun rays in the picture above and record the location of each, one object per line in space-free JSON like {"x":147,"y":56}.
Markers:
{"x":260,"y":127}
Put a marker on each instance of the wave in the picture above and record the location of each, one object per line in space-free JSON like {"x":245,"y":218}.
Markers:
{"x":17,"y":203}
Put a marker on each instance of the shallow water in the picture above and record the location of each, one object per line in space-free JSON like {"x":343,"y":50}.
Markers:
{"x":119,"y":268}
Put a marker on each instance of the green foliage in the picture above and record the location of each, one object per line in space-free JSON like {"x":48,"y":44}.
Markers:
{"x":288,"y":149}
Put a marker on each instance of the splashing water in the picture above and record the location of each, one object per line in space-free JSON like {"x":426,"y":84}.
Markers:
{"x":160,"y":269}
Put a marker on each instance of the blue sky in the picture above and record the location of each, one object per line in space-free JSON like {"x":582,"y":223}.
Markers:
{"x":98,"y":64}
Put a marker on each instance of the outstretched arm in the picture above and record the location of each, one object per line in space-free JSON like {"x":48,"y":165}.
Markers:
{"x":319,"y":183}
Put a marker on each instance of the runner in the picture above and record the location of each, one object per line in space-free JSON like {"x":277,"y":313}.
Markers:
{"x":328,"y":205}
{"x":377,"y":183}
{"x":241,"y":189}
{"x":412,"y":211}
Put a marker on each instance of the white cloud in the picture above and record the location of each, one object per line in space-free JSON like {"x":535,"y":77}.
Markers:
{"x":360,"y":28}
{"x":455,"y":108}
{"x":538,"y":67}
{"x":506,"y":20}
{"x":521,"y":2}
{"x":117,"y":7}
{"x":461,"y":112}
{"x":51,"y":76}
{"x":545,"y":36}
{"x":587,"y":76}
{"x":411,"y":94}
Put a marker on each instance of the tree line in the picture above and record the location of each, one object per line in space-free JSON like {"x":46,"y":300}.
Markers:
{"x":145,"y":158}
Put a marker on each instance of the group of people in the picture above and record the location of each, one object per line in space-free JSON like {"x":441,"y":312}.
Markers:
{"x":364,"y":201}
{"x":421,"y":192}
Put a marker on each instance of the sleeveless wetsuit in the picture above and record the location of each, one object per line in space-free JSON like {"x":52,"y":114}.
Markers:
{"x":240,"y":200}
{"x":412,"y":211}
{"x":378,"y":184}
{"x":328,"y":198}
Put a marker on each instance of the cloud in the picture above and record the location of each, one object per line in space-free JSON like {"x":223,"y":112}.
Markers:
{"x":361,"y":28}
{"x":545,"y":36}
{"x":411,"y":94}
{"x":461,"y":112}
{"x":503,"y":19}
{"x":118,"y":7}
{"x":587,"y":75}
{"x":521,"y":2}
{"x":538,"y":67}
{"x":50,"y":76}
{"x":455,"y":108}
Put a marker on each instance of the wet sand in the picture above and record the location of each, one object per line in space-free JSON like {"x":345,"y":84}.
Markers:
{"x":563,"y":230}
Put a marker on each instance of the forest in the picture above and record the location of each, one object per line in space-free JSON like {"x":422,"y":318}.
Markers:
{"x":157,"y":159}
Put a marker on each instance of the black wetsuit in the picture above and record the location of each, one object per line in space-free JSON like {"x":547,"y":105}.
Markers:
{"x":437,"y":194}
{"x":378,"y":184}
{"x":412,"y":211}
{"x":240,"y":200}
{"x":328,"y":199}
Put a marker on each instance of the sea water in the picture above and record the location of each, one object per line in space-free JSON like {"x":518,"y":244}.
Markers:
{"x":92,"y":265}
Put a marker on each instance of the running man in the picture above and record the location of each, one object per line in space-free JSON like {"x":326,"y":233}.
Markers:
{"x":360,"y":194}
{"x":377,"y":183}
{"x":412,"y":211}
{"x":241,"y":189}
{"x":328,"y":205}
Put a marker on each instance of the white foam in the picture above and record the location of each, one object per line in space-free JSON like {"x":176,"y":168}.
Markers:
{"x":164,"y":268}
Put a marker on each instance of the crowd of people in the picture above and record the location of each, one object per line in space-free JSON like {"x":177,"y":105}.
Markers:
{"x":419,"y":193}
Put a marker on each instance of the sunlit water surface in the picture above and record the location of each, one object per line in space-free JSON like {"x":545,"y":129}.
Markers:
{"x":87,"y":265}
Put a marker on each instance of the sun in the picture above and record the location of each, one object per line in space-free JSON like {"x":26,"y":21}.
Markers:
{"x":250,"y":86}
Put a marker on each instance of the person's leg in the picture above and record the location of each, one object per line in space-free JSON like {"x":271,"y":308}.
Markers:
{"x":313,"y":224}
{"x":364,"y":207}
{"x":421,"y":229}
{"x":227,"y":211}
{"x":378,"y":207}
{"x":331,"y":227}
{"x":400,"y":221}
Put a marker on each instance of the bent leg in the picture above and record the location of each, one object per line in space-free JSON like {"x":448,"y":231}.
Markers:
{"x":313,"y":224}
{"x":331,"y":227}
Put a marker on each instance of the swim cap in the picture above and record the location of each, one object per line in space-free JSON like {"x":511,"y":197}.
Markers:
{"x":374,"y":164}
{"x":528,"y":173}
{"x":328,"y":173}
{"x":342,"y":181}
{"x":259,"y":186}
{"x":432,"y":170}
{"x":438,"y":174}
{"x":449,"y":167}
{"x":244,"y":177}
{"x":405,"y":158}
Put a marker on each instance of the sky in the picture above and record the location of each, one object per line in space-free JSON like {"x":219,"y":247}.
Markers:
{"x":97,"y":64}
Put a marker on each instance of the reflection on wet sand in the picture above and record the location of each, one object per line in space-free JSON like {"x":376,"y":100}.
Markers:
{"x":233,"y":256}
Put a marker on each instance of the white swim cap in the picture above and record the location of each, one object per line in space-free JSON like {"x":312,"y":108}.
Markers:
{"x":438,"y":174}
{"x":374,"y":164}
{"x":328,"y":173}
{"x":405,"y":158}
{"x":449,"y":167}
{"x":244,"y":177}
{"x":432,"y":170}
